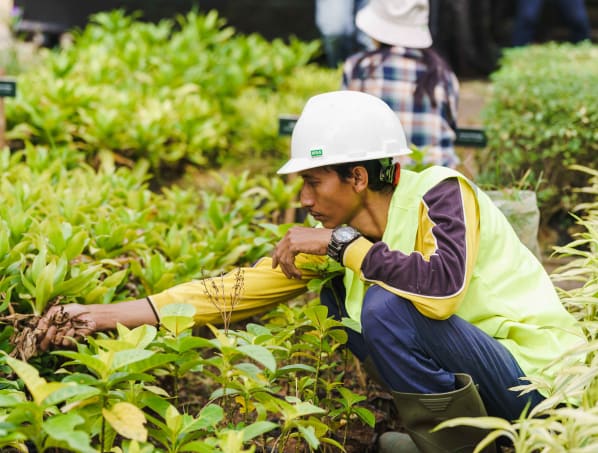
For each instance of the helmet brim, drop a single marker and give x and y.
(296, 164)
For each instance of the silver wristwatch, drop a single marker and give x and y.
(341, 237)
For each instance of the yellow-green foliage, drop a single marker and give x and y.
(543, 116)
(165, 92)
(70, 232)
(567, 419)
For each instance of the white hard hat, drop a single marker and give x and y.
(344, 126)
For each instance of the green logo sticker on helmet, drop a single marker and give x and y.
(317, 152)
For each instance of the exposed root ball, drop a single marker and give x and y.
(27, 332)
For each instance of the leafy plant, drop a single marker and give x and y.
(181, 93)
(566, 419)
(539, 119)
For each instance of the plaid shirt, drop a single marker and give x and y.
(391, 74)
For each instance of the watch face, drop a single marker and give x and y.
(344, 234)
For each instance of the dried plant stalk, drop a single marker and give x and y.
(216, 291)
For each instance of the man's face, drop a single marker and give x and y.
(328, 199)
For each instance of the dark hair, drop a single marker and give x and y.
(435, 74)
(378, 179)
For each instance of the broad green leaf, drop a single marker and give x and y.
(62, 427)
(257, 429)
(76, 285)
(127, 420)
(211, 415)
(309, 434)
(9, 400)
(351, 324)
(187, 343)
(366, 416)
(199, 447)
(173, 419)
(71, 391)
(93, 363)
(259, 354)
(350, 397)
(339, 335)
(177, 318)
(128, 357)
(115, 279)
(37, 386)
(151, 362)
(294, 368)
(61, 269)
(138, 337)
(230, 440)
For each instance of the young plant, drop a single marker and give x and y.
(177, 323)
(349, 409)
(118, 370)
(321, 341)
(40, 420)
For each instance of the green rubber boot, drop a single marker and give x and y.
(422, 412)
(391, 441)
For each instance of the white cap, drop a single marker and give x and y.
(396, 22)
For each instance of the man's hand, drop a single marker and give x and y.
(313, 241)
(63, 323)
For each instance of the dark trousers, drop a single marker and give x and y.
(416, 354)
(573, 13)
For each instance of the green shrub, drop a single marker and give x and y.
(543, 116)
(71, 233)
(166, 92)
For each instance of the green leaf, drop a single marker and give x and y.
(338, 335)
(76, 285)
(37, 386)
(139, 337)
(151, 363)
(39, 262)
(76, 244)
(94, 364)
(259, 354)
(69, 392)
(177, 318)
(115, 279)
(62, 427)
(257, 429)
(187, 343)
(199, 447)
(9, 400)
(122, 359)
(44, 286)
(366, 416)
(309, 434)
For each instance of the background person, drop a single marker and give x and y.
(406, 73)
(335, 20)
(446, 297)
(528, 15)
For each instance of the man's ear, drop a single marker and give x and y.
(360, 178)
